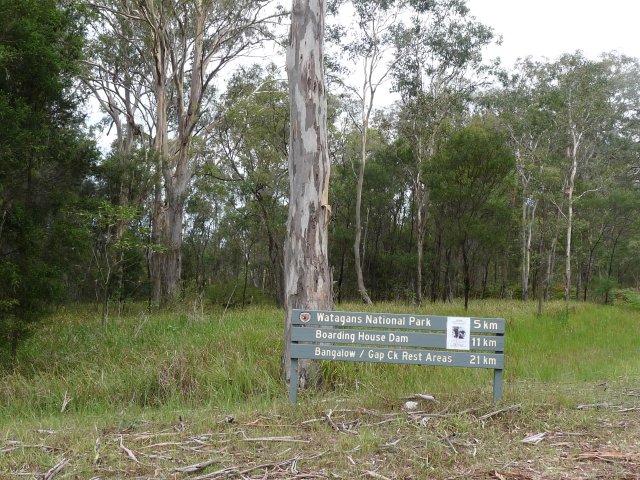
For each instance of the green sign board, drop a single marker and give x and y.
(397, 338)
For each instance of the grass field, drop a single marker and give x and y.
(183, 395)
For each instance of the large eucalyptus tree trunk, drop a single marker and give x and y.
(307, 274)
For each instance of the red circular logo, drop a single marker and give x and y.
(305, 317)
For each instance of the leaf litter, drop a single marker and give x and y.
(440, 441)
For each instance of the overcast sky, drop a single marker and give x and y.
(548, 28)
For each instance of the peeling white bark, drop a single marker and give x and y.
(307, 278)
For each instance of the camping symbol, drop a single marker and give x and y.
(305, 317)
(458, 333)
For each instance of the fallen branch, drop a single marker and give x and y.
(608, 456)
(534, 439)
(597, 405)
(65, 402)
(313, 420)
(268, 465)
(56, 469)
(224, 471)
(196, 467)
(148, 435)
(331, 422)
(275, 439)
(26, 474)
(128, 451)
(391, 444)
(422, 396)
(155, 456)
(305, 476)
(419, 415)
(631, 409)
(447, 439)
(375, 475)
(237, 471)
(163, 444)
(388, 420)
(517, 406)
(18, 446)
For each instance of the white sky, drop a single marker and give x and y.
(549, 28)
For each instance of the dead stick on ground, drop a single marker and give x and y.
(313, 420)
(65, 402)
(375, 475)
(129, 452)
(268, 465)
(56, 469)
(331, 422)
(163, 444)
(275, 439)
(597, 405)
(448, 440)
(196, 467)
(237, 471)
(502, 410)
(19, 446)
(415, 415)
(217, 473)
(388, 420)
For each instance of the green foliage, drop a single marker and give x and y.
(70, 230)
(44, 157)
(603, 287)
(119, 241)
(238, 210)
(471, 174)
(470, 180)
(235, 294)
(629, 297)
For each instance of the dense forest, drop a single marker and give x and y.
(452, 176)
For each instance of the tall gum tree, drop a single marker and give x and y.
(185, 47)
(470, 181)
(531, 133)
(307, 274)
(588, 106)
(370, 47)
(440, 65)
(114, 73)
(252, 145)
